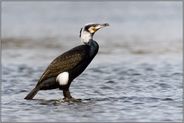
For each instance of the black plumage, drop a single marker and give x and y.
(73, 61)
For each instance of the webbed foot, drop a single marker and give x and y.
(71, 99)
(68, 97)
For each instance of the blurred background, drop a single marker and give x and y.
(158, 25)
(136, 76)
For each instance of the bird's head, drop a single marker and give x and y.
(87, 32)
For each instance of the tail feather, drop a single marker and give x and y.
(32, 93)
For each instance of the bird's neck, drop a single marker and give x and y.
(93, 48)
(86, 37)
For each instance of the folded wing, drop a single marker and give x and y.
(66, 62)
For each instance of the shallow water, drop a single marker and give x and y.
(136, 76)
(113, 88)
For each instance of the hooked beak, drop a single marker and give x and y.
(105, 24)
(96, 27)
(101, 26)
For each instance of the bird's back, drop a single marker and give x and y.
(66, 62)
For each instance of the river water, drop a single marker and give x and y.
(136, 76)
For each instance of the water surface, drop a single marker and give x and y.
(136, 76)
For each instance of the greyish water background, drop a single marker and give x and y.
(136, 76)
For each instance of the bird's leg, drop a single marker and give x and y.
(66, 94)
(68, 97)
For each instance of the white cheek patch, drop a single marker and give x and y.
(63, 78)
(85, 37)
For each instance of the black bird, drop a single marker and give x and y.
(66, 67)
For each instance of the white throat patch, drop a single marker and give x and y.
(63, 78)
(85, 36)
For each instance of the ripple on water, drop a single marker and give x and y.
(127, 91)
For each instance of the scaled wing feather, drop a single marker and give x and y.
(65, 62)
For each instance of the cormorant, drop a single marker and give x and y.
(66, 67)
